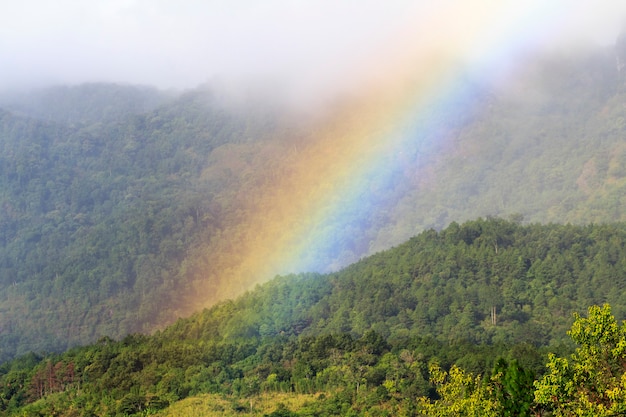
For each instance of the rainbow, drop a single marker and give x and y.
(333, 182)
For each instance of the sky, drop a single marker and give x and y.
(303, 45)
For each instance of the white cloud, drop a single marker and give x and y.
(310, 44)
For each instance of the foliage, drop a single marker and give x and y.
(460, 394)
(513, 387)
(449, 284)
(592, 382)
(261, 345)
(91, 243)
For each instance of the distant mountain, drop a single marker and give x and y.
(85, 103)
(123, 208)
(546, 144)
(96, 218)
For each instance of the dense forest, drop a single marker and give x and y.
(92, 242)
(121, 206)
(472, 318)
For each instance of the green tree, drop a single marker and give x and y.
(592, 381)
(513, 388)
(461, 394)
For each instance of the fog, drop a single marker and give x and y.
(306, 46)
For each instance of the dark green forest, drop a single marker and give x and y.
(117, 203)
(393, 333)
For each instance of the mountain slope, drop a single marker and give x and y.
(378, 323)
(122, 209)
(91, 242)
(545, 143)
(444, 285)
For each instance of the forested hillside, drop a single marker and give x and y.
(96, 218)
(124, 208)
(487, 297)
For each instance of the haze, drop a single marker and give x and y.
(306, 45)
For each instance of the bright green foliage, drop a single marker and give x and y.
(461, 394)
(354, 376)
(592, 382)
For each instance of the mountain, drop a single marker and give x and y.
(87, 103)
(364, 336)
(123, 208)
(91, 242)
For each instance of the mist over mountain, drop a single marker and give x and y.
(88, 103)
(124, 208)
(287, 208)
